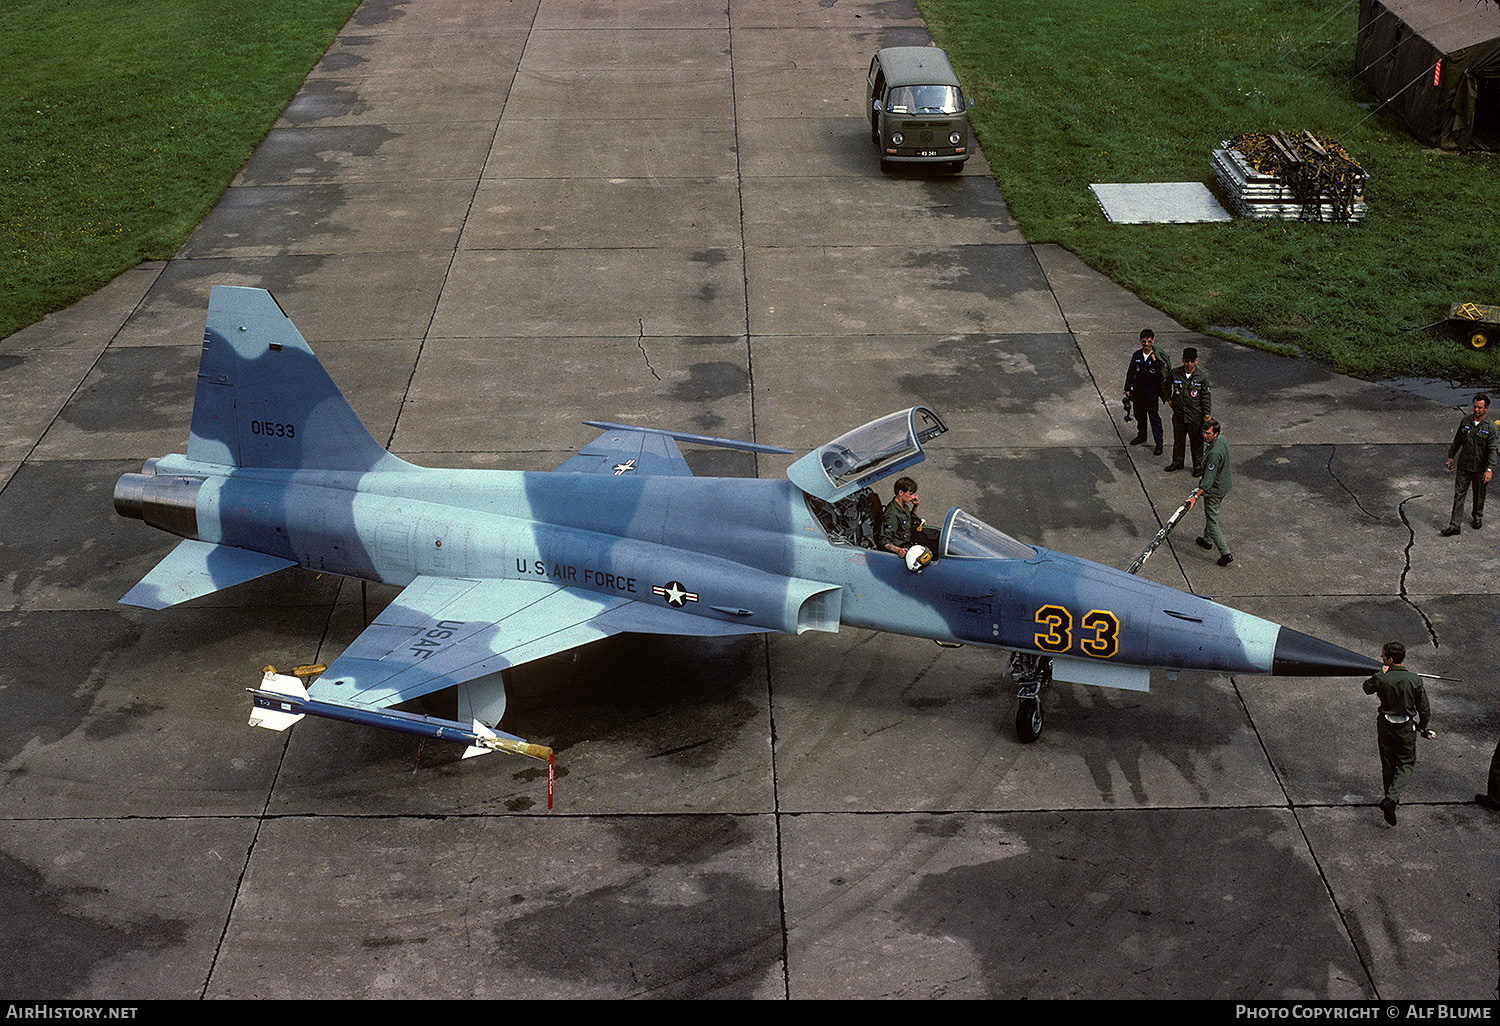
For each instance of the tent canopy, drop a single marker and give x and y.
(1437, 63)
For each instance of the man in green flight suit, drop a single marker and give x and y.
(1490, 799)
(1192, 403)
(1403, 715)
(1476, 446)
(900, 527)
(1216, 482)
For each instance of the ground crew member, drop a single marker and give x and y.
(1192, 404)
(1491, 797)
(1216, 482)
(1403, 715)
(1477, 446)
(1144, 381)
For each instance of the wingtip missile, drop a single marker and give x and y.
(487, 740)
(282, 700)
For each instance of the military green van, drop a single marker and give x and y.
(918, 114)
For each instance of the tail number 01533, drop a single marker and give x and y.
(1098, 631)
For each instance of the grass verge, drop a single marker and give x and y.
(121, 124)
(1070, 93)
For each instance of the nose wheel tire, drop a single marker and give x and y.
(1029, 720)
(1031, 672)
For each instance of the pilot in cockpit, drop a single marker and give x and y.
(901, 529)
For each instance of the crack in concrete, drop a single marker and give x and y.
(1333, 452)
(1411, 541)
(640, 343)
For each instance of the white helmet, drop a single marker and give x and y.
(917, 557)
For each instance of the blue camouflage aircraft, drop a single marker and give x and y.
(502, 567)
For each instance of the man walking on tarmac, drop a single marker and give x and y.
(1403, 715)
(1477, 446)
(1216, 482)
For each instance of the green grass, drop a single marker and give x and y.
(1070, 93)
(121, 124)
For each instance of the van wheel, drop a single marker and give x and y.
(886, 166)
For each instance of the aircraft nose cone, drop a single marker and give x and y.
(1302, 655)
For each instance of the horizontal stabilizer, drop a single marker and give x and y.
(197, 568)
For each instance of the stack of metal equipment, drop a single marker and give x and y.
(1296, 177)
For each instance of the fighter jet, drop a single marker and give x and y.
(498, 568)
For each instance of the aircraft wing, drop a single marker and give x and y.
(624, 449)
(440, 632)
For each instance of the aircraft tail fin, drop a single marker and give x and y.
(264, 399)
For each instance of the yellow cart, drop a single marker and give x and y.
(1475, 325)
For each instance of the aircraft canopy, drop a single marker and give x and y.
(867, 454)
(968, 537)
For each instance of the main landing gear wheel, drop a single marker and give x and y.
(1478, 339)
(1030, 672)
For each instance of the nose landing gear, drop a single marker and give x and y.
(1029, 672)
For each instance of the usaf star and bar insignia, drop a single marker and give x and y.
(675, 593)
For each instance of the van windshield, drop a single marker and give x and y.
(925, 99)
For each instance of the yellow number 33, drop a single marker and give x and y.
(1100, 634)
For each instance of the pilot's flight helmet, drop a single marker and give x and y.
(917, 557)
